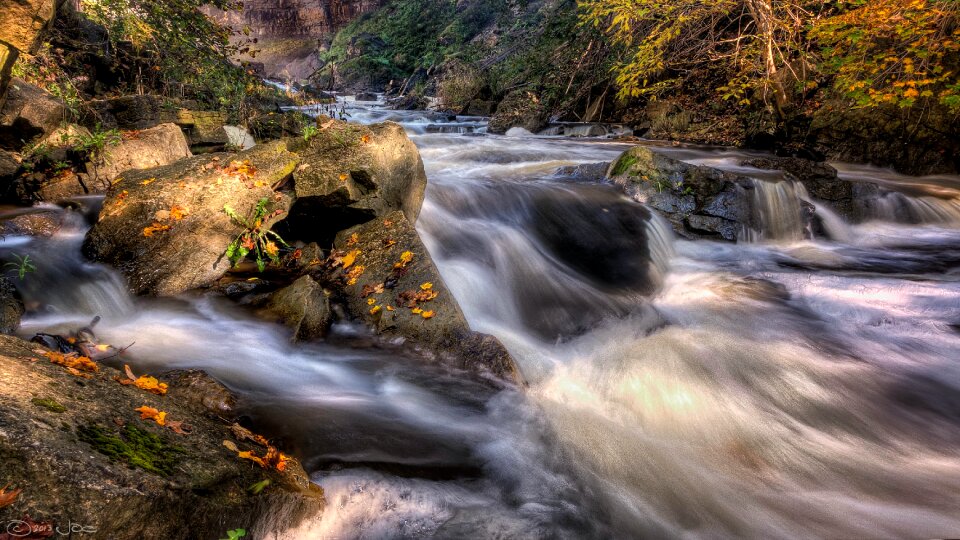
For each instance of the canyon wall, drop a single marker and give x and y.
(290, 33)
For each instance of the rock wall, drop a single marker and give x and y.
(289, 33)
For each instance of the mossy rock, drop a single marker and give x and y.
(133, 446)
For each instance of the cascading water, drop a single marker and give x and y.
(676, 389)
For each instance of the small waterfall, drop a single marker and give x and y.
(901, 208)
(778, 211)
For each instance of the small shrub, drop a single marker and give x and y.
(254, 238)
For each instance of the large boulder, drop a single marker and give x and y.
(28, 114)
(353, 173)
(80, 453)
(154, 147)
(520, 108)
(21, 22)
(166, 228)
(393, 285)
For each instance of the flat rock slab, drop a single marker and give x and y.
(47, 416)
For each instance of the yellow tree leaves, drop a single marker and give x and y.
(405, 258)
(154, 228)
(348, 259)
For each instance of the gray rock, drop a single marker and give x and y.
(28, 114)
(302, 306)
(11, 307)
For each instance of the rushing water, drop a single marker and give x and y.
(777, 388)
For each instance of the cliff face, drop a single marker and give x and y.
(290, 32)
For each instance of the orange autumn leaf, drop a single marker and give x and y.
(354, 274)
(371, 301)
(151, 384)
(252, 457)
(350, 258)
(427, 314)
(426, 286)
(365, 139)
(155, 227)
(354, 238)
(177, 213)
(149, 413)
(148, 181)
(405, 259)
(375, 309)
(72, 361)
(416, 310)
(9, 497)
(343, 177)
(272, 249)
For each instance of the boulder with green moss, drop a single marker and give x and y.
(80, 452)
(166, 228)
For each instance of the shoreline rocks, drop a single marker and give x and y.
(81, 453)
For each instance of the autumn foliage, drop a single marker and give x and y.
(776, 52)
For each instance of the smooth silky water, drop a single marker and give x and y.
(768, 389)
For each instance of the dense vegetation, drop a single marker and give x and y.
(777, 51)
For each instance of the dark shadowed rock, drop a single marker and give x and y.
(302, 306)
(521, 108)
(396, 310)
(138, 231)
(80, 452)
(29, 113)
(352, 173)
(130, 112)
(33, 223)
(11, 307)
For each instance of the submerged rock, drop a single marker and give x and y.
(166, 228)
(393, 285)
(351, 174)
(81, 453)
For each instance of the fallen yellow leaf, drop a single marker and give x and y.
(150, 413)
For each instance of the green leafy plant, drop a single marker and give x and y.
(99, 139)
(254, 238)
(310, 131)
(235, 534)
(21, 267)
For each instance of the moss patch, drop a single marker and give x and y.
(49, 404)
(133, 446)
(623, 164)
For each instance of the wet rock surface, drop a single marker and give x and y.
(304, 307)
(82, 454)
(394, 286)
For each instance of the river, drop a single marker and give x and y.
(765, 389)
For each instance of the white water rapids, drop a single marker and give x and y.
(798, 388)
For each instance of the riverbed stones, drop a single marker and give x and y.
(166, 228)
(81, 454)
(393, 285)
(11, 306)
(352, 173)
